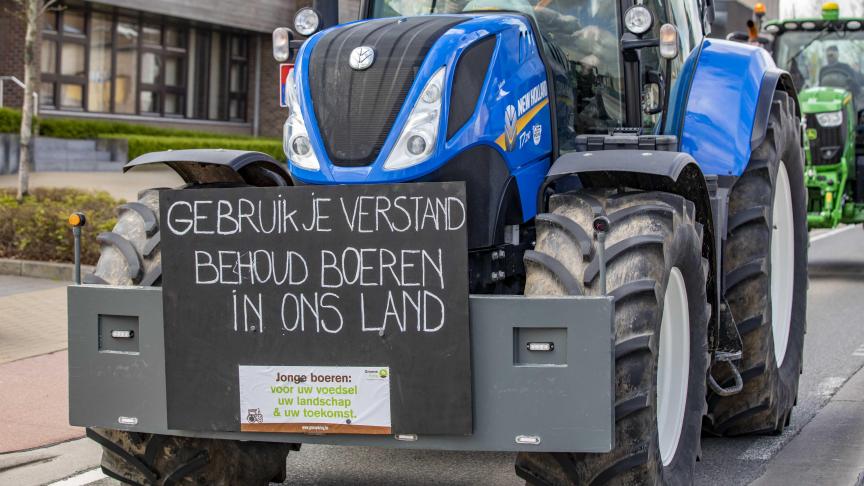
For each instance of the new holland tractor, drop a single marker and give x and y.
(570, 229)
(825, 57)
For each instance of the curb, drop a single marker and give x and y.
(35, 269)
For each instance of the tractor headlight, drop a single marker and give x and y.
(307, 21)
(420, 134)
(638, 19)
(830, 120)
(295, 137)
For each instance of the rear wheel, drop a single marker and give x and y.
(131, 256)
(657, 275)
(765, 267)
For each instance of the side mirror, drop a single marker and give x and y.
(653, 93)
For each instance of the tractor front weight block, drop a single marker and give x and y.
(542, 374)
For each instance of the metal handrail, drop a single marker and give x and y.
(22, 86)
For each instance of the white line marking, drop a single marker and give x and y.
(859, 351)
(832, 233)
(87, 477)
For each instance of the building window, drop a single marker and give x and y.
(115, 62)
(163, 70)
(64, 52)
(237, 76)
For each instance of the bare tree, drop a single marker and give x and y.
(32, 11)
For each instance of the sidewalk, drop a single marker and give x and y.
(118, 184)
(35, 403)
(32, 322)
(33, 364)
(829, 449)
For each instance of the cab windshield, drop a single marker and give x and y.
(581, 38)
(827, 58)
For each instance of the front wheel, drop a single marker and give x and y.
(656, 274)
(131, 255)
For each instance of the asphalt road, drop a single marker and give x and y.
(834, 350)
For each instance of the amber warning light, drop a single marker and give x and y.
(284, 71)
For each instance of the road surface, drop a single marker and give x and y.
(834, 351)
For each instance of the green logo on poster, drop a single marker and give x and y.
(382, 373)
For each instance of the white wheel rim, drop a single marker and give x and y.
(782, 264)
(673, 366)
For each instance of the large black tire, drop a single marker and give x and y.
(651, 233)
(765, 403)
(130, 252)
(131, 256)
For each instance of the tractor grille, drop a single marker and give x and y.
(355, 110)
(827, 149)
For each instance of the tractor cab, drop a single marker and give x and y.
(825, 57)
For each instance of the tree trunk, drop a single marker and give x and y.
(31, 73)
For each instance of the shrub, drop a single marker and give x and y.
(142, 144)
(10, 122)
(37, 229)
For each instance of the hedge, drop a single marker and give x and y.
(10, 122)
(142, 144)
(37, 228)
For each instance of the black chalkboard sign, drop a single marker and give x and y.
(343, 286)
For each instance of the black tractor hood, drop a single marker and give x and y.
(356, 109)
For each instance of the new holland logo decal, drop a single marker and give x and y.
(510, 126)
(516, 118)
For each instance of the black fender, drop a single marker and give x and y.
(674, 172)
(207, 166)
(774, 80)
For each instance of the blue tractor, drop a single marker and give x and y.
(611, 154)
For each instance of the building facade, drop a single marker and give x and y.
(203, 65)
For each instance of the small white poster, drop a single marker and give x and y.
(315, 399)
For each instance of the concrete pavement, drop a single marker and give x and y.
(119, 185)
(34, 386)
(32, 323)
(830, 449)
(33, 371)
(35, 403)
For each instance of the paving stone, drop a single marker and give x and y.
(11, 284)
(32, 323)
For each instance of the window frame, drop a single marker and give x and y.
(57, 78)
(182, 53)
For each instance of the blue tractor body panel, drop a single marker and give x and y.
(516, 82)
(716, 103)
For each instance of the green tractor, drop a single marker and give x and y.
(826, 60)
